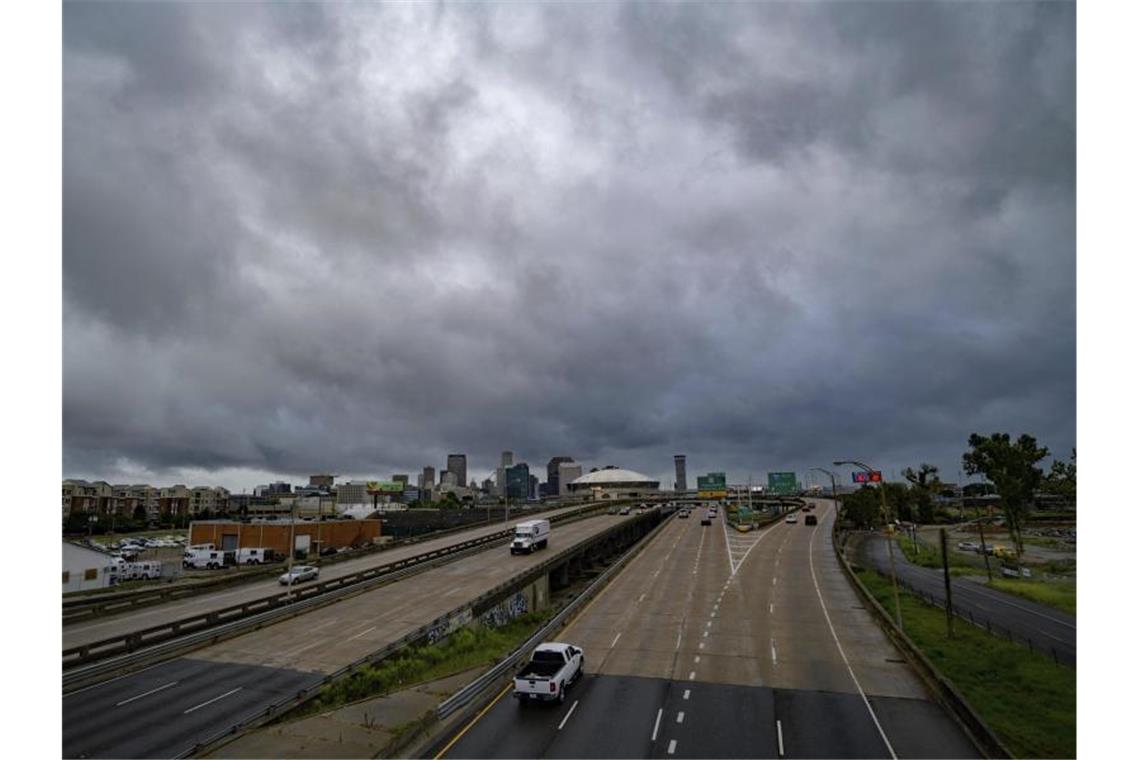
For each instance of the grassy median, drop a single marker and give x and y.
(466, 648)
(1027, 700)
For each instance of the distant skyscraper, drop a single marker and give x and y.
(457, 463)
(447, 478)
(567, 472)
(552, 472)
(533, 487)
(507, 459)
(427, 479)
(400, 478)
(682, 482)
(517, 480)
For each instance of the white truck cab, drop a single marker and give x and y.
(530, 535)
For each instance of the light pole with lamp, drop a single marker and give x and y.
(292, 549)
(834, 492)
(890, 534)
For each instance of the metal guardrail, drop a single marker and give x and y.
(462, 697)
(93, 605)
(263, 715)
(944, 691)
(135, 648)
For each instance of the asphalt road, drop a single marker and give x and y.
(107, 627)
(717, 644)
(247, 673)
(1049, 629)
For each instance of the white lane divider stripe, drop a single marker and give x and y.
(780, 737)
(672, 746)
(145, 694)
(656, 724)
(613, 643)
(773, 653)
(568, 713)
(212, 701)
(692, 674)
(686, 694)
(357, 636)
(681, 717)
(835, 637)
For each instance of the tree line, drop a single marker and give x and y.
(1010, 465)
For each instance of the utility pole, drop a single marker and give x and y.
(946, 578)
(985, 554)
(292, 550)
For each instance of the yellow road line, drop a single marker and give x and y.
(474, 720)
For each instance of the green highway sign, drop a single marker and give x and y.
(782, 482)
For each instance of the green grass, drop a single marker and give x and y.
(464, 649)
(1061, 595)
(930, 556)
(1027, 700)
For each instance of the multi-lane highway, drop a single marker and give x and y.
(166, 709)
(1050, 630)
(130, 621)
(713, 643)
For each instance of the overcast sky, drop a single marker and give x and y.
(354, 238)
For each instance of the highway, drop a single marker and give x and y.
(166, 709)
(712, 643)
(130, 621)
(1050, 630)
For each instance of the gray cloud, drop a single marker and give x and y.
(303, 237)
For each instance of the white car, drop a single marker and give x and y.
(299, 574)
(790, 519)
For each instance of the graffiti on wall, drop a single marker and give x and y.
(445, 628)
(505, 611)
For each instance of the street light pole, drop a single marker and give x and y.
(890, 535)
(834, 492)
(292, 549)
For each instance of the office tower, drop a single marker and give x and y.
(517, 479)
(682, 483)
(568, 472)
(427, 479)
(507, 459)
(552, 472)
(457, 463)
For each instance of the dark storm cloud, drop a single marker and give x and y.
(355, 238)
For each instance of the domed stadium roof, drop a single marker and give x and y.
(612, 475)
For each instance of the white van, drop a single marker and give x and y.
(530, 535)
(254, 556)
(205, 559)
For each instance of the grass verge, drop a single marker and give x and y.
(1026, 699)
(1061, 595)
(926, 555)
(466, 648)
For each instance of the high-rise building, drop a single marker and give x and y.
(427, 479)
(447, 478)
(517, 480)
(507, 459)
(682, 482)
(552, 472)
(532, 488)
(567, 473)
(457, 463)
(400, 478)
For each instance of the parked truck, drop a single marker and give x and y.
(552, 669)
(254, 555)
(530, 535)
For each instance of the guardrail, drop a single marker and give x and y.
(473, 689)
(944, 691)
(91, 661)
(483, 601)
(80, 609)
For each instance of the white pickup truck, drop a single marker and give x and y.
(552, 669)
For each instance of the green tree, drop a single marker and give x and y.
(862, 508)
(924, 484)
(1012, 468)
(139, 514)
(1062, 479)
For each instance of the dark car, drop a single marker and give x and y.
(809, 520)
(706, 520)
